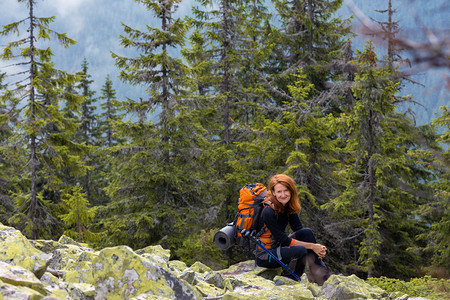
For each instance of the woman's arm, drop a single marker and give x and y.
(294, 222)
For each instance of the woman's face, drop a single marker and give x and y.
(282, 193)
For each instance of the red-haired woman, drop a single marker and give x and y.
(282, 208)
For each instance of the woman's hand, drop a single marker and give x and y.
(320, 250)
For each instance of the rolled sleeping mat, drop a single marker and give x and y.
(225, 237)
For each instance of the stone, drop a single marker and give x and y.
(239, 268)
(156, 253)
(15, 249)
(177, 266)
(200, 268)
(208, 290)
(19, 276)
(350, 287)
(57, 288)
(214, 278)
(189, 276)
(77, 272)
(9, 291)
(119, 273)
(65, 240)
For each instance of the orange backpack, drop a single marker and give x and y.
(250, 206)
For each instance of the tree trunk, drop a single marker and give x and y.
(33, 145)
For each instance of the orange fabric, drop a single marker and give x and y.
(292, 243)
(266, 239)
(246, 205)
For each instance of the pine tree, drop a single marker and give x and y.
(40, 126)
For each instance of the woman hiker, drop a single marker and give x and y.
(297, 250)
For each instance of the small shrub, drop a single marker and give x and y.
(425, 286)
(200, 247)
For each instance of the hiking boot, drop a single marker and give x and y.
(318, 272)
(296, 266)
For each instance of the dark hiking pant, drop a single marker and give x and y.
(291, 256)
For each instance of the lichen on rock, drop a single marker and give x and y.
(76, 271)
(17, 250)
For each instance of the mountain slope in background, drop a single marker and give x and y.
(416, 19)
(96, 26)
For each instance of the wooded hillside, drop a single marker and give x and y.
(228, 97)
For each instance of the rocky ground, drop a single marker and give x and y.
(44, 269)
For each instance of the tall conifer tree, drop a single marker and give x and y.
(303, 71)
(434, 212)
(225, 47)
(7, 115)
(110, 113)
(389, 31)
(310, 37)
(382, 175)
(158, 191)
(41, 128)
(88, 132)
(225, 40)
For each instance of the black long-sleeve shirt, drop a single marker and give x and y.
(277, 225)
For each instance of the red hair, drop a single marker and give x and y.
(293, 206)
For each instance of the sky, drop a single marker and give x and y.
(96, 26)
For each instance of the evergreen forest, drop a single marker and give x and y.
(228, 97)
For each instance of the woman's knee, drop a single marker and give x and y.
(305, 235)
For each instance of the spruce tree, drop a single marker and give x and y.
(435, 211)
(389, 31)
(110, 114)
(41, 130)
(7, 170)
(108, 138)
(222, 46)
(380, 173)
(305, 72)
(159, 191)
(77, 215)
(87, 131)
(309, 37)
(88, 124)
(225, 50)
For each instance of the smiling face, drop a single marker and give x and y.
(282, 193)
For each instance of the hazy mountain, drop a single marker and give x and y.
(96, 26)
(415, 17)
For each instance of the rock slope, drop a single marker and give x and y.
(43, 269)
